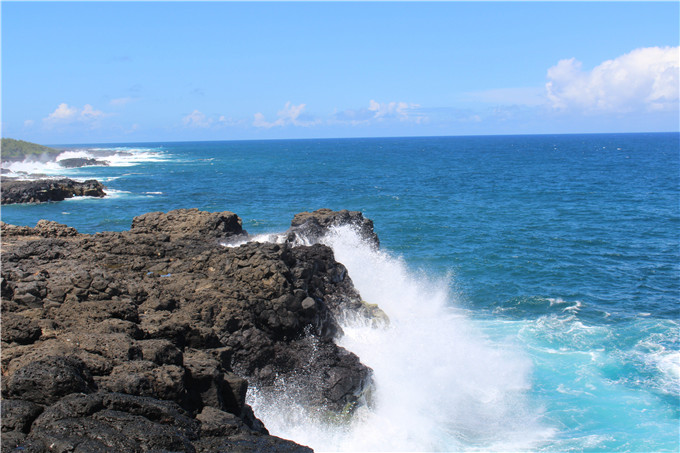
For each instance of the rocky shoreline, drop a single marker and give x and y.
(44, 190)
(148, 339)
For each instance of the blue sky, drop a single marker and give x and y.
(88, 72)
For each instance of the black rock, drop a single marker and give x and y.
(42, 190)
(148, 339)
(314, 225)
(77, 162)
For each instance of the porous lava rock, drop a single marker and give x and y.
(147, 339)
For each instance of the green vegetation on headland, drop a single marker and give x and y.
(17, 150)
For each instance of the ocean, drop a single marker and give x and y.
(532, 282)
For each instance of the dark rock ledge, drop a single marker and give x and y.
(77, 162)
(42, 190)
(147, 340)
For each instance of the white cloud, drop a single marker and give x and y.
(289, 115)
(388, 109)
(64, 114)
(89, 113)
(28, 123)
(197, 119)
(645, 79)
(382, 111)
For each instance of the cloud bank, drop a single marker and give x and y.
(643, 80)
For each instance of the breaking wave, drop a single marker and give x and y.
(440, 385)
(111, 157)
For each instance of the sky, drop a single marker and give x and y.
(116, 72)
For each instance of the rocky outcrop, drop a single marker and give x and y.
(313, 225)
(148, 339)
(77, 162)
(43, 190)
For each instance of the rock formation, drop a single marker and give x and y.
(76, 162)
(148, 339)
(313, 225)
(37, 191)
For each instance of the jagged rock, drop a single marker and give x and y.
(18, 415)
(46, 381)
(163, 314)
(19, 329)
(42, 190)
(189, 222)
(313, 225)
(112, 422)
(44, 228)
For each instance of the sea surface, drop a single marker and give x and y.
(532, 282)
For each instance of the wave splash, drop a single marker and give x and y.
(439, 384)
(114, 157)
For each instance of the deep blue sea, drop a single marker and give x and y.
(532, 282)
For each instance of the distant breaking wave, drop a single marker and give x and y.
(114, 157)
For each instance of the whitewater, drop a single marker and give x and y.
(439, 383)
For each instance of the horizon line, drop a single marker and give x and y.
(360, 138)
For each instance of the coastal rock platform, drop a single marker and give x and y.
(148, 339)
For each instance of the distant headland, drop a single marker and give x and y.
(22, 187)
(18, 150)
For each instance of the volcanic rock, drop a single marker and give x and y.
(314, 225)
(148, 339)
(43, 190)
(77, 162)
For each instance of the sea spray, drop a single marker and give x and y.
(438, 384)
(114, 157)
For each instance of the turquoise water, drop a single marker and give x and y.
(561, 250)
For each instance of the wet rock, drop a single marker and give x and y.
(314, 225)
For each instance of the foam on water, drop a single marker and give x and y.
(115, 157)
(439, 384)
(22, 169)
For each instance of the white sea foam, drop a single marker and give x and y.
(113, 193)
(23, 169)
(655, 351)
(668, 363)
(115, 157)
(572, 307)
(439, 384)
